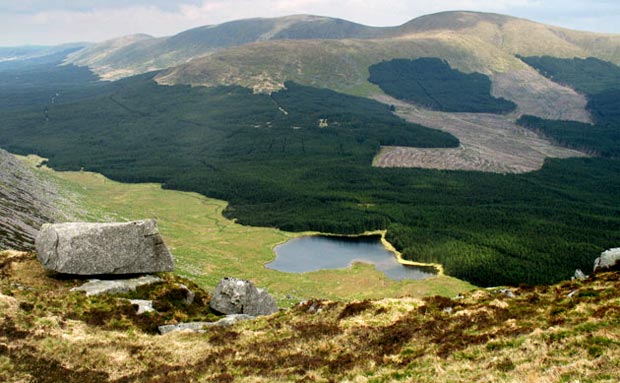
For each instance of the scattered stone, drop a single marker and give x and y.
(200, 326)
(229, 320)
(572, 293)
(448, 310)
(607, 260)
(236, 296)
(507, 292)
(116, 286)
(188, 294)
(579, 275)
(142, 305)
(103, 248)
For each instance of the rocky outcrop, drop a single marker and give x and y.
(608, 259)
(27, 201)
(103, 248)
(236, 296)
(116, 286)
(228, 320)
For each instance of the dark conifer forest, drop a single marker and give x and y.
(300, 159)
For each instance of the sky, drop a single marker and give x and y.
(51, 22)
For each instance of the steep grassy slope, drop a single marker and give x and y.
(519, 36)
(563, 333)
(28, 199)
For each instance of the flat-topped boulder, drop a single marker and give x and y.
(103, 248)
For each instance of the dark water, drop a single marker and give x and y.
(314, 253)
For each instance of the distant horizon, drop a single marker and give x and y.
(57, 22)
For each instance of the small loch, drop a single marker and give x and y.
(319, 252)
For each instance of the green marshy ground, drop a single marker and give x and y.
(208, 247)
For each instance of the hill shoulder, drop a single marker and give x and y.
(571, 329)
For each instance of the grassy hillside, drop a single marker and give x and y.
(562, 333)
(136, 54)
(469, 32)
(336, 64)
(468, 41)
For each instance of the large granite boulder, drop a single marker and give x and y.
(103, 248)
(236, 296)
(608, 259)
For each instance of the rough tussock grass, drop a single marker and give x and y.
(541, 335)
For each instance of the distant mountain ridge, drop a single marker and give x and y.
(140, 53)
(497, 37)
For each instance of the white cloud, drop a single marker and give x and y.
(56, 21)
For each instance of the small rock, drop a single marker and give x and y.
(229, 320)
(142, 305)
(193, 326)
(580, 275)
(608, 259)
(507, 292)
(572, 293)
(103, 248)
(236, 296)
(200, 326)
(189, 294)
(116, 286)
(448, 310)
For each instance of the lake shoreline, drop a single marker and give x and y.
(310, 256)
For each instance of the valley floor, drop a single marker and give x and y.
(208, 247)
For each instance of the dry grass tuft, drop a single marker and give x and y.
(48, 334)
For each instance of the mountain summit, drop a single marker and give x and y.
(448, 35)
